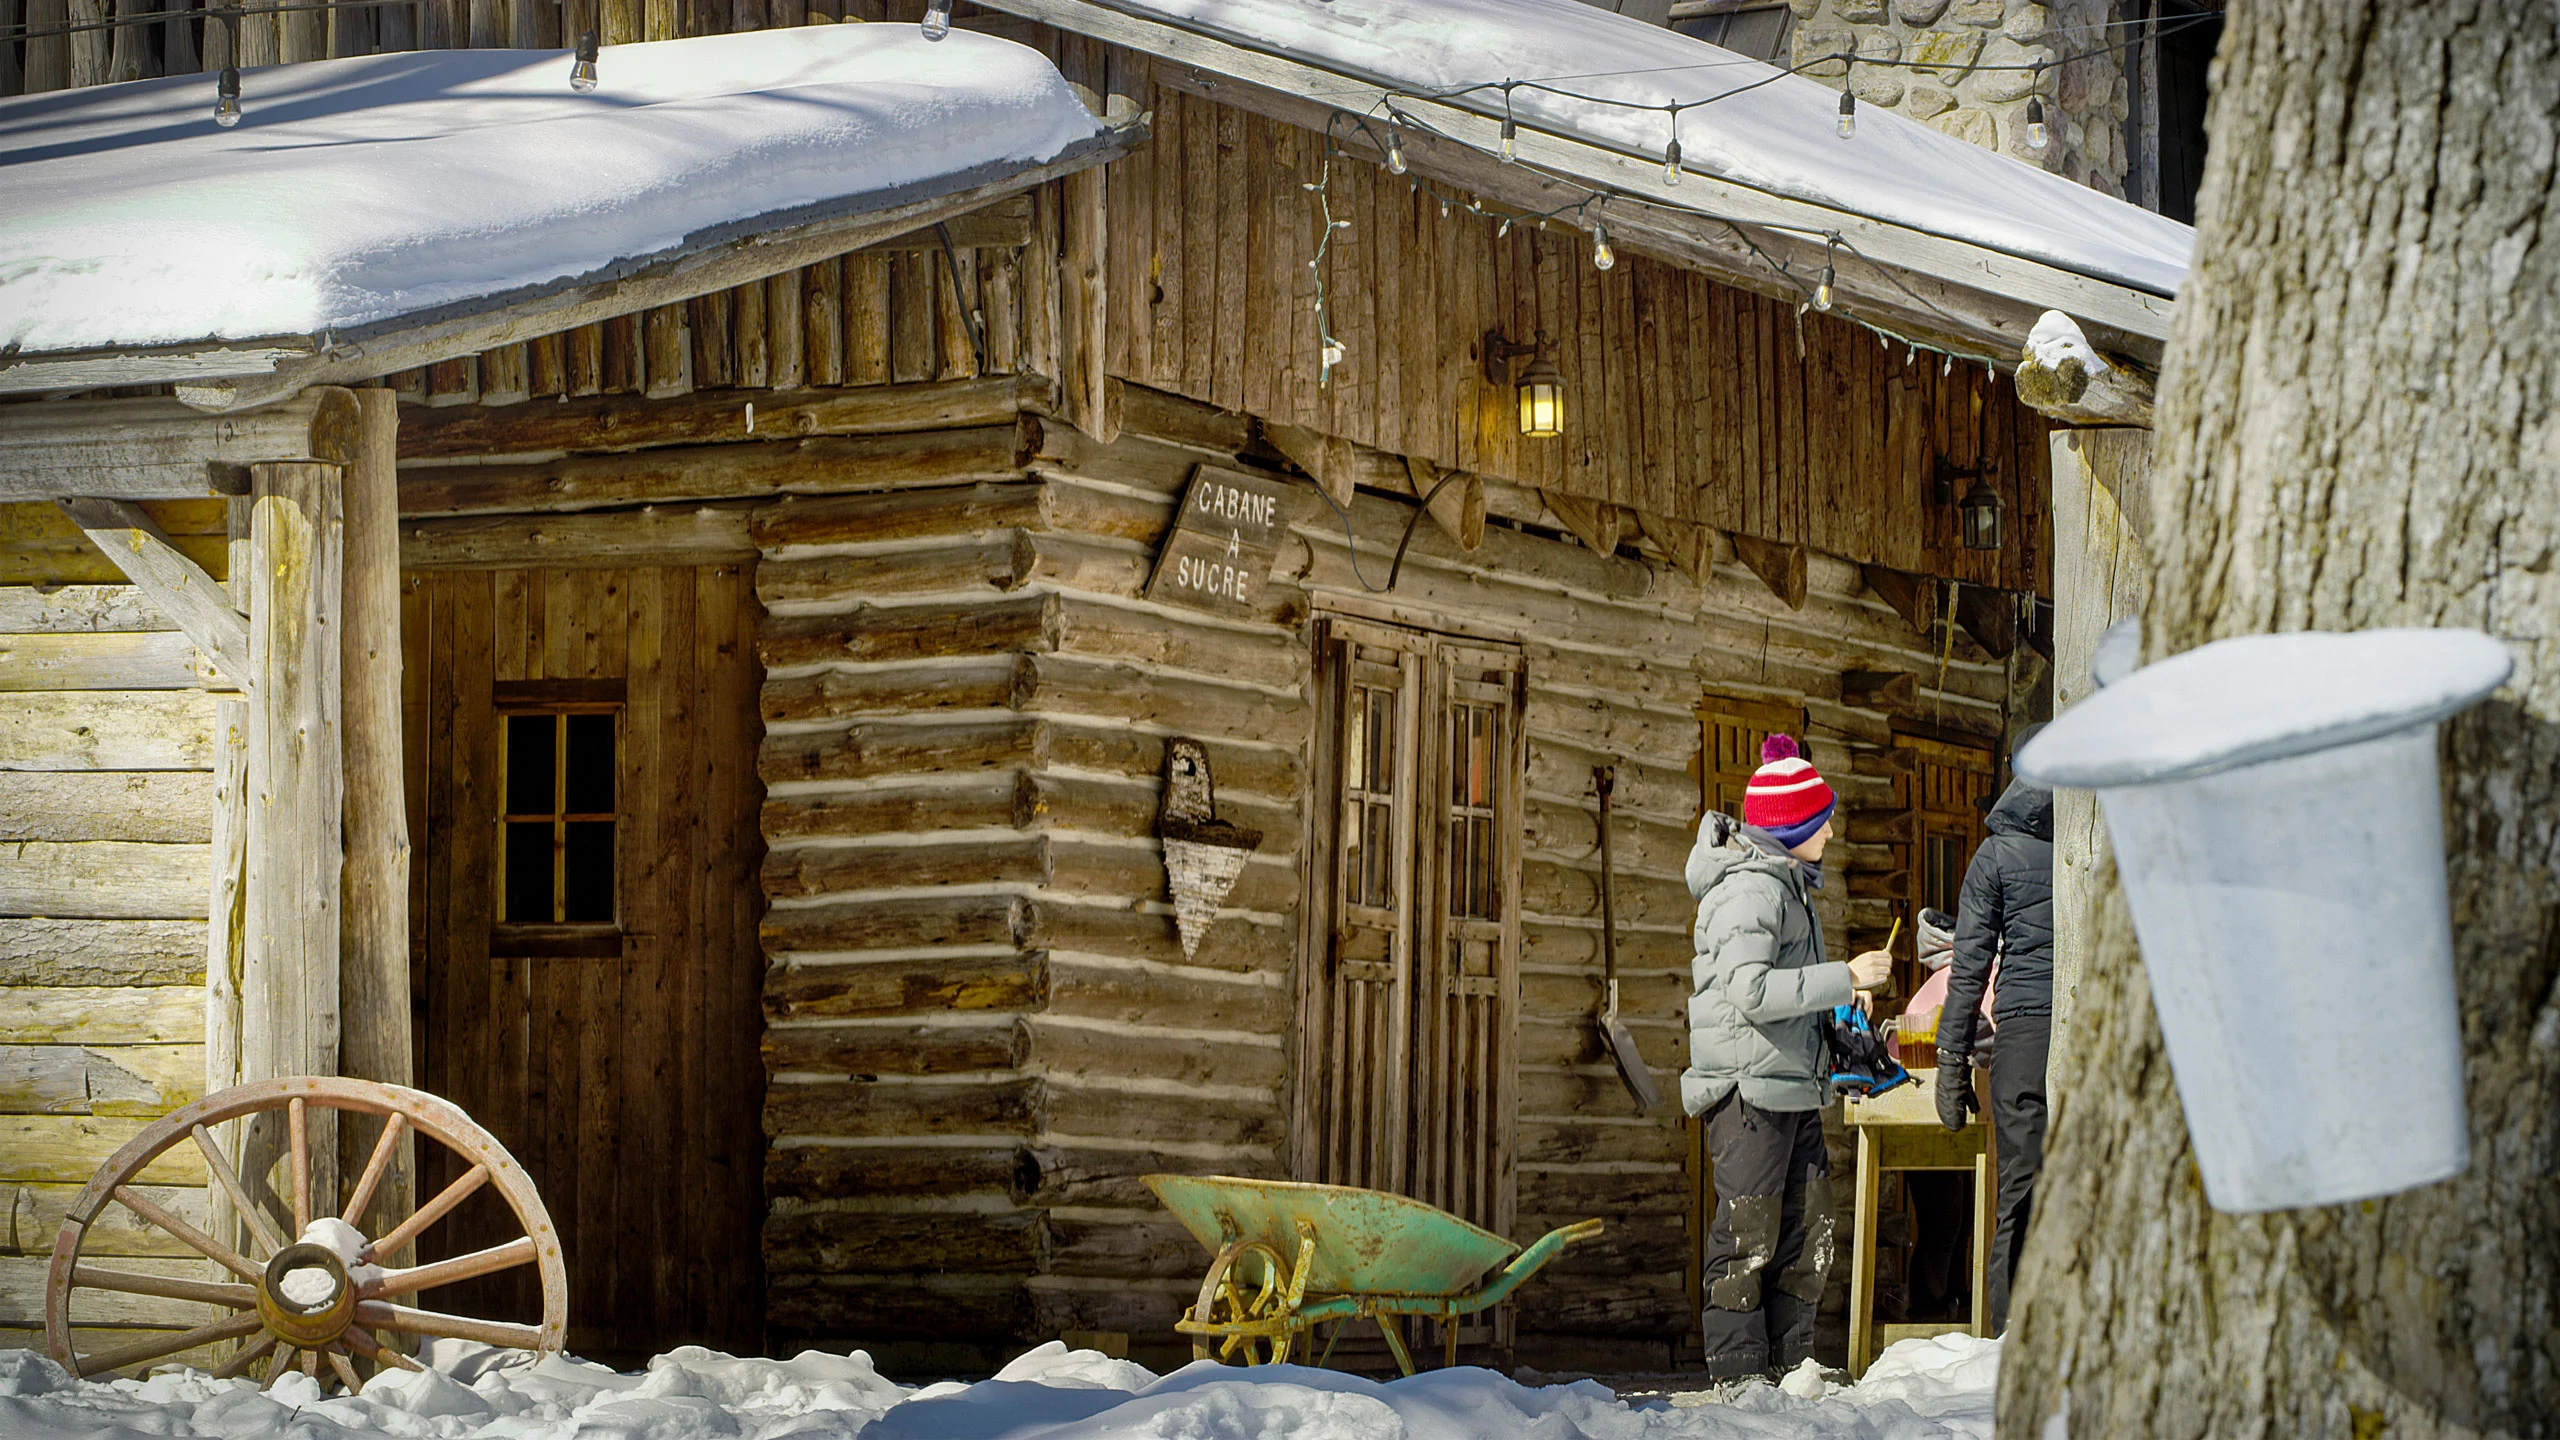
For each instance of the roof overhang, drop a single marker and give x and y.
(1935, 288)
(833, 204)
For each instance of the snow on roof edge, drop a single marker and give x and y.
(2009, 188)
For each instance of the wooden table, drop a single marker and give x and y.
(1900, 1131)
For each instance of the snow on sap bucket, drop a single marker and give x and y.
(2276, 819)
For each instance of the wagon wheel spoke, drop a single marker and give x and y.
(167, 1287)
(202, 1243)
(249, 1355)
(298, 1126)
(435, 1324)
(394, 1126)
(363, 1343)
(428, 1214)
(519, 1251)
(277, 1363)
(229, 1179)
(160, 1346)
(345, 1368)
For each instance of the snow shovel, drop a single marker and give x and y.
(1621, 1041)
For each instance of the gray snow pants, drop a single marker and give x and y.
(1772, 1241)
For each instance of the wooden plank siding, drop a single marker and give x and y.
(1815, 433)
(106, 798)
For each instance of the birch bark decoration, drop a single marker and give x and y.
(1203, 854)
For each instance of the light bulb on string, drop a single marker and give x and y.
(1822, 292)
(582, 71)
(226, 97)
(2037, 135)
(937, 19)
(1602, 257)
(1671, 162)
(1395, 151)
(1848, 115)
(1330, 355)
(1510, 128)
(1503, 230)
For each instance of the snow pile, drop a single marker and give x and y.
(1780, 138)
(356, 191)
(1918, 1390)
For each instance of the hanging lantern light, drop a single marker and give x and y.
(1980, 508)
(1542, 400)
(1540, 388)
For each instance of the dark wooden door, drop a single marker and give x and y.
(587, 976)
(1947, 790)
(1408, 1028)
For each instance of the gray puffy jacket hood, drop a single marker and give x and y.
(1759, 981)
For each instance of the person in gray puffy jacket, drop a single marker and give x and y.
(1759, 1066)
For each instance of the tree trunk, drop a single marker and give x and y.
(2354, 431)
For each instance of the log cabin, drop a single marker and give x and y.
(723, 742)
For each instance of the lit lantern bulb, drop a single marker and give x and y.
(937, 19)
(2037, 135)
(1822, 292)
(1848, 115)
(1602, 257)
(226, 98)
(582, 71)
(1395, 154)
(1510, 140)
(1671, 162)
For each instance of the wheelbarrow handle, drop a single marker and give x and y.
(1527, 1263)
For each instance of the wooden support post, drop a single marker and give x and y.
(1083, 255)
(1780, 567)
(176, 584)
(289, 1000)
(373, 945)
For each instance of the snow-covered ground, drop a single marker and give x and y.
(1918, 1390)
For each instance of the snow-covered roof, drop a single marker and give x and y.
(357, 196)
(1961, 206)
(1780, 138)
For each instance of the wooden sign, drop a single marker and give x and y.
(1219, 552)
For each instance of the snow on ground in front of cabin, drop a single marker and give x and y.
(1918, 1390)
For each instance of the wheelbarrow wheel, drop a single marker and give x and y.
(1247, 1286)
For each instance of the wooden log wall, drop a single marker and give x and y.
(107, 804)
(979, 1019)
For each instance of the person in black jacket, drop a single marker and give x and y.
(2005, 912)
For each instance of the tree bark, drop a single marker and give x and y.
(2354, 431)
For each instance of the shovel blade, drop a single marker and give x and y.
(1631, 1067)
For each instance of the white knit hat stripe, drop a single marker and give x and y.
(1810, 782)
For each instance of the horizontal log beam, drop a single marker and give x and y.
(607, 423)
(154, 448)
(105, 879)
(602, 539)
(44, 951)
(141, 660)
(1005, 225)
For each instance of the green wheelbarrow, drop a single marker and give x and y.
(1292, 1256)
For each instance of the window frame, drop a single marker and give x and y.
(558, 701)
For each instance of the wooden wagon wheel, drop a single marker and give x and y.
(324, 1312)
(1231, 1294)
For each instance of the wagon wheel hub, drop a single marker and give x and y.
(306, 1296)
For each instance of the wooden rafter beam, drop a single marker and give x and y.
(196, 601)
(1780, 567)
(154, 448)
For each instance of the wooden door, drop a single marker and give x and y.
(1408, 1030)
(585, 965)
(1947, 791)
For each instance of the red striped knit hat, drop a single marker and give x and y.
(1787, 797)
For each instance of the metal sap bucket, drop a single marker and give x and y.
(2278, 826)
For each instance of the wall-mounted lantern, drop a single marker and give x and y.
(2274, 808)
(1980, 508)
(1541, 384)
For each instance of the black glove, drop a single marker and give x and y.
(1955, 1091)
